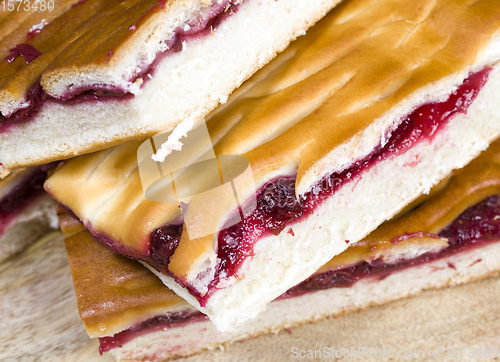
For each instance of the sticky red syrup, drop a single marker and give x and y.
(21, 196)
(27, 51)
(476, 226)
(37, 97)
(278, 207)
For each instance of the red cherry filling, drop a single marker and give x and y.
(157, 323)
(476, 226)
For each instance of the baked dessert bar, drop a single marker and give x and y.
(26, 211)
(92, 74)
(452, 238)
(370, 109)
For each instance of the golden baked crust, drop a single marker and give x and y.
(118, 31)
(322, 104)
(14, 25)
(328, 87)
(114, 302)
(112, 196)
(114, 292)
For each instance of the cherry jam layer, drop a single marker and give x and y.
(22, 195)
(37, 97)
(277, 205)
(158, 323)
(475, 227)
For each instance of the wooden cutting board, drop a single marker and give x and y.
(40, 322)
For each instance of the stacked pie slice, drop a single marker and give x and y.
(80, 76)
(272, 209)
(450, 238)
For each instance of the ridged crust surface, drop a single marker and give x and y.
(122, 33)
(124, 295)
(16, 24)
(58, 30)
(327, 101)
(330, 90)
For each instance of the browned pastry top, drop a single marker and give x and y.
(17, 77)
(322, 104)
(357, 64)
(114, 292)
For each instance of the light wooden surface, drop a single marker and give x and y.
(39, 320)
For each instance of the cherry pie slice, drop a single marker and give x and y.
(95, 73)
(451, 238)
